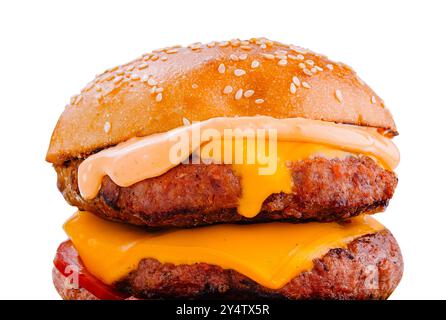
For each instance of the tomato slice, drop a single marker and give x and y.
(67, 259)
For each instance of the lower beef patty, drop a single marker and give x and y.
(192, 195)
(369, 268)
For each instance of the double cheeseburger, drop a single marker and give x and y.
(153, 225)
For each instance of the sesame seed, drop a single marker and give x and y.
(245, 47)
(154, 57)
(78, 99)
(111, 76)
(194, 86)
(159, 97)
(239, 72)
(143, 65)
(329, 66)
(145, 78)
(268, 56)
(221, 68)
(313, 70)
(338, 95)
(296, 81)
(172, 51)
(152, 82)
(244, 43)
(255, 64)
(282, 62)
(135, 77)
(281, 56)
(292, 57)
(307, 72)
(118, 80)
(297, 49)
(262, 46)
(302, 65)
(239, 94)
(163, 58)
(120, 72)
(195, 46)
(318, 68)
(233, 57)
(223, 44)
(146, 57)
(373, 99)
(300, 57)
(107, 127)
(259, 101)
(235, 42)
(306, 85)
(211, 44)
(98, 88)
(243, 56)
(159, 90)
(227, 90)
(293, 88)
(112, 69)
(248, 93)
(186, 122)
(310, 62)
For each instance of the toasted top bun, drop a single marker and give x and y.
(163, 89)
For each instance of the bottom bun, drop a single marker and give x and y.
(369, 268)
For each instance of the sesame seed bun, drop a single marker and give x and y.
(162, 89)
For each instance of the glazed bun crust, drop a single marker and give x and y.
(158, 91)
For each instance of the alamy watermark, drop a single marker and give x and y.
(232, 146)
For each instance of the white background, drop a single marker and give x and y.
(50, 49)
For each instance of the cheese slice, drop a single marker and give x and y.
(271, 254)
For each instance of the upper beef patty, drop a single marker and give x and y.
(369, 268)
(192, 195)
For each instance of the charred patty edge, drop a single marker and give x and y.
(339, 274)
(193, 195)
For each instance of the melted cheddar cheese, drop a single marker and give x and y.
(256, 187)
(270, 254)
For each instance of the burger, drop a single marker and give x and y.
(228, 170)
